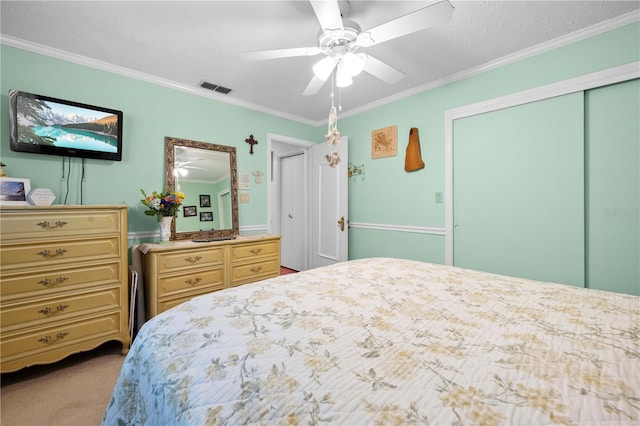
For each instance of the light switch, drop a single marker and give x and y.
(438, 197)
(244, 197)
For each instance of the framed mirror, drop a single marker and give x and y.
(208, 176)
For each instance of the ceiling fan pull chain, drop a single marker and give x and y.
(333, 135)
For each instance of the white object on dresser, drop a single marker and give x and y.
(64, 283)
(41, 197)
(180, 270)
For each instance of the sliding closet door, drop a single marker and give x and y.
(518, 200)
(613, 187)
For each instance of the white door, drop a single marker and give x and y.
(329, 204)
(292, 211)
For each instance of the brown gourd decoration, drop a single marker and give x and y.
(413, 158)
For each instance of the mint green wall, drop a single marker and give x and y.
(193, 190)
(387, 196)
(390, 196)
(151, 112)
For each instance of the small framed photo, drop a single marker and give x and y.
(205, 201)
(189, 211)
(14, 191)
(206, 216)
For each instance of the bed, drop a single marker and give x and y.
(385, 341)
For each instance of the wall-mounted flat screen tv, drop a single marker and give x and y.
(46, 125)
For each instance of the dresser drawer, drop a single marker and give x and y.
(171, 262)
(202, 281)
(255, 271)
(47, 311)
(51, 224)
(242, 252)
(50, 282)
(40, 255)
(44, 339)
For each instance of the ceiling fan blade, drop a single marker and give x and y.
(328, 14)
(419, 20)
(183, 163)
(280, 53)
(314, 86)
(380, 70)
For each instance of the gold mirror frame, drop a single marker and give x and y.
(216, 234)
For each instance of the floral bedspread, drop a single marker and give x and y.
(387, 341)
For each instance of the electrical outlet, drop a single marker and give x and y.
(438, 197)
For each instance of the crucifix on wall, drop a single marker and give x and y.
(251, 141)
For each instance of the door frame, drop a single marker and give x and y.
(273, 190)
(585, 82)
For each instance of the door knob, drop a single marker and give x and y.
(341, 223)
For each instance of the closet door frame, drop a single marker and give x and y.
(585, 82)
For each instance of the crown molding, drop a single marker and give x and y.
(582, 34)
(547, 46)
(149, 78)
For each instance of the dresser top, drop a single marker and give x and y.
(188, 244)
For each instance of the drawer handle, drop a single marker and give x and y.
(47, 282)
(192, 259)
(47, 225)
(48, 340)
(256, 250)
(49, 311)
(256, 269)
(47, 253)
(193, 282)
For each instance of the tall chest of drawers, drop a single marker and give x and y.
(63, 282)
(178, 271)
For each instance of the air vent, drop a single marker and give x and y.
(214, 87)
(224, 90)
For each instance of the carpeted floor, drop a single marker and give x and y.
(74, 391)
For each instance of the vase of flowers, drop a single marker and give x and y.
(164, 206)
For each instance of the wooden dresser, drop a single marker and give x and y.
(175, 272)
(63, 281)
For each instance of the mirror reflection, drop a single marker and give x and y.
(207, 174)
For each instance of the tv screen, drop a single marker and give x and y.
(45, 125)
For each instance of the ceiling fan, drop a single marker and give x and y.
(339, 40)
(182, 167)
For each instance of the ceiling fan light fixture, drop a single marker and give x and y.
(180, 172)
(322, 69)
(343, 77)
(353, 63)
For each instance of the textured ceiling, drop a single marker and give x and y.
(182, 43)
